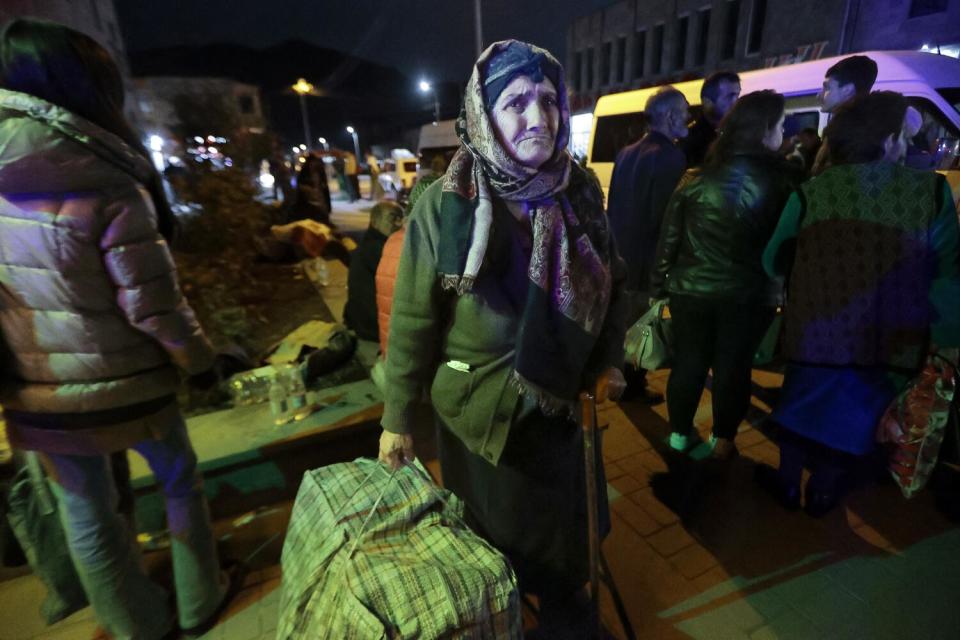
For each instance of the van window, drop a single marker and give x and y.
(410, 165)
(436, 159)
(388, 165)
(614, 133)
(935, 125)
(951, 95)
(797, 121)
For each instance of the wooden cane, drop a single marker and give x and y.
(588, 423)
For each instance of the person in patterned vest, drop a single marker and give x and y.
(871, 251)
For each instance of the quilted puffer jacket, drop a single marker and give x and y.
(386, 278)
(91, 315)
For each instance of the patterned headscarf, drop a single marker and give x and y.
(569, 267)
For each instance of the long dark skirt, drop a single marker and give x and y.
(532, 505)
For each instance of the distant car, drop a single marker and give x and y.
(397, 175)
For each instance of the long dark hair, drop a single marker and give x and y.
(743, 129)
(73, 71)
(858, 129)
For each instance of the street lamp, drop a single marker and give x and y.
(323, 141)
(426, 87)
(356, 141)
(303, 89)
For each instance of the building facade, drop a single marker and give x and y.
(156, 97)
(638, 43)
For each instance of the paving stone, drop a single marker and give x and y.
(831, 608)
(711, 579)
(750, 437)
(790, 625)
(670, 540)
(693, 561)
(633, 465)
(653, 462)
(650, 504)
(613, 470)
(636, 517)
(873, 537)
(625, 484)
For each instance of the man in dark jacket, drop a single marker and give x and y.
(717, 95)
(644, 177)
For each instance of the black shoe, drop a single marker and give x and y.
(770, 480)
(819, 503)
(236, 573)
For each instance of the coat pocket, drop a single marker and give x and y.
(451, 391)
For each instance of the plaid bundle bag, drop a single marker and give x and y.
(372, 553)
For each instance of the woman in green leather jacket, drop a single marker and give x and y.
(709, 264)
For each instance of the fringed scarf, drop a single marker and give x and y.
(570, 263)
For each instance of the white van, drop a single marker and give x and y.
(929, 81)
(438, 142)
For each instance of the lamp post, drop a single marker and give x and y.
(426, 87)
(323, 141)
(303, 89)
(356, 141)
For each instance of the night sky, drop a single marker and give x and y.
(422, 38)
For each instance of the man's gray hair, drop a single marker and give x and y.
(661, 103)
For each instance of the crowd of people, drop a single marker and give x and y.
(502, 293)
(858, 250)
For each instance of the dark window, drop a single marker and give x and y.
(730, 24)
(757, 17)
(920, 8)
(935, 146)
(639, 53)
(589, 69)
(621, 60)
(605, 63)
(703, 36)
(680, 53)
(657, 53)
(246, 104)
(614, 133)
(951, 95)
(577, 71)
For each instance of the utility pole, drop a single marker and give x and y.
(303, 89)
(478, 24)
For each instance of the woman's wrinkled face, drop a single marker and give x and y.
(525, 117)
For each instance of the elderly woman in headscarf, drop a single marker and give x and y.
(508, 304)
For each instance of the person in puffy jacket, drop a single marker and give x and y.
(95, 329)
(390, 261)
(709, 264)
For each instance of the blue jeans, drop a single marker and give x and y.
(126, 602)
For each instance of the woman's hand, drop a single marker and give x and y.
(610, 385)
(396, 449)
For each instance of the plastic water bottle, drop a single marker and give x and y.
(296, 394)
(323, 273)
(279, 406)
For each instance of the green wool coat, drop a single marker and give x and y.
(464, 347)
